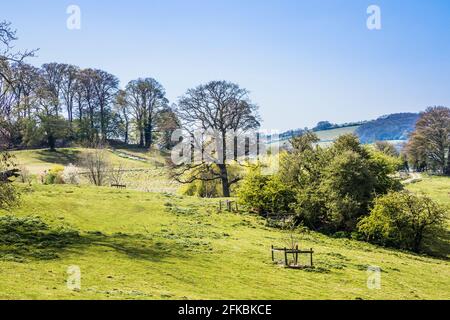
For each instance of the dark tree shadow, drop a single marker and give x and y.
(62, 157)
(438, 245)
(23, 239)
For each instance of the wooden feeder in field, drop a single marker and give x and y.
(290, 258)
(228, 205)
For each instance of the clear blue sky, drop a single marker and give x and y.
(303, 61)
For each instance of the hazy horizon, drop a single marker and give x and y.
(302, 61)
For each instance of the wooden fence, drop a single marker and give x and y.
(228, 205)
(295, 254)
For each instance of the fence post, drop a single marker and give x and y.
(311, 257)
(273, 257)
(285, 257)
(296, 255)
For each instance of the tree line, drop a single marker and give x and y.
(61, 103)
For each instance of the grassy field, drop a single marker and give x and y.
(436, 187)
(159, 246)
(145, 170)
(333, 134)
(326, 136)
(131, 244)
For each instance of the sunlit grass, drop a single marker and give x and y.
(159, 246)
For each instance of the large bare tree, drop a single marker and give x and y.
(225, 109)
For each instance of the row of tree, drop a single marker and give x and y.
(64, 102)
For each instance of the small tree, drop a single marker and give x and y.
(97, 163)
(117, 174)
(403, 220)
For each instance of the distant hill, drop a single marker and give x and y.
(390, 127)
(393, 127)
(323, 129)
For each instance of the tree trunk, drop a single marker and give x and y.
(126, 132)
(418, 241)
(224, 179)
(148, 136)
(102, 122)
(51, 142)
(141, 138)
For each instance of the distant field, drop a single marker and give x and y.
(327, 136)
(333, 134)
(145, 170)
(437, 188)
(39, 160)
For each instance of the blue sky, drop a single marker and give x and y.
(303, 60)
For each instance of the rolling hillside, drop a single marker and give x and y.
(135, 245)
(131, 244)
(326, 136)
(394, 128)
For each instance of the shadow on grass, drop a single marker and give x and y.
(62, 157)
(439, 245)
(23, 239)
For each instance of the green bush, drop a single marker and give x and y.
(203, 189)
(403, 220)
(265, 194)
(329, 189)
(347, 186)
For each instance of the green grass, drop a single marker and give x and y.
(436, 187)
(131, 244)
(145, 169)
(37, 161)
(136, 245)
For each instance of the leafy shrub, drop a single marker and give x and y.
(403, 220)
(265, 194)
(203, 189)
(347, 186)
(54, 175)
(329, 189)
